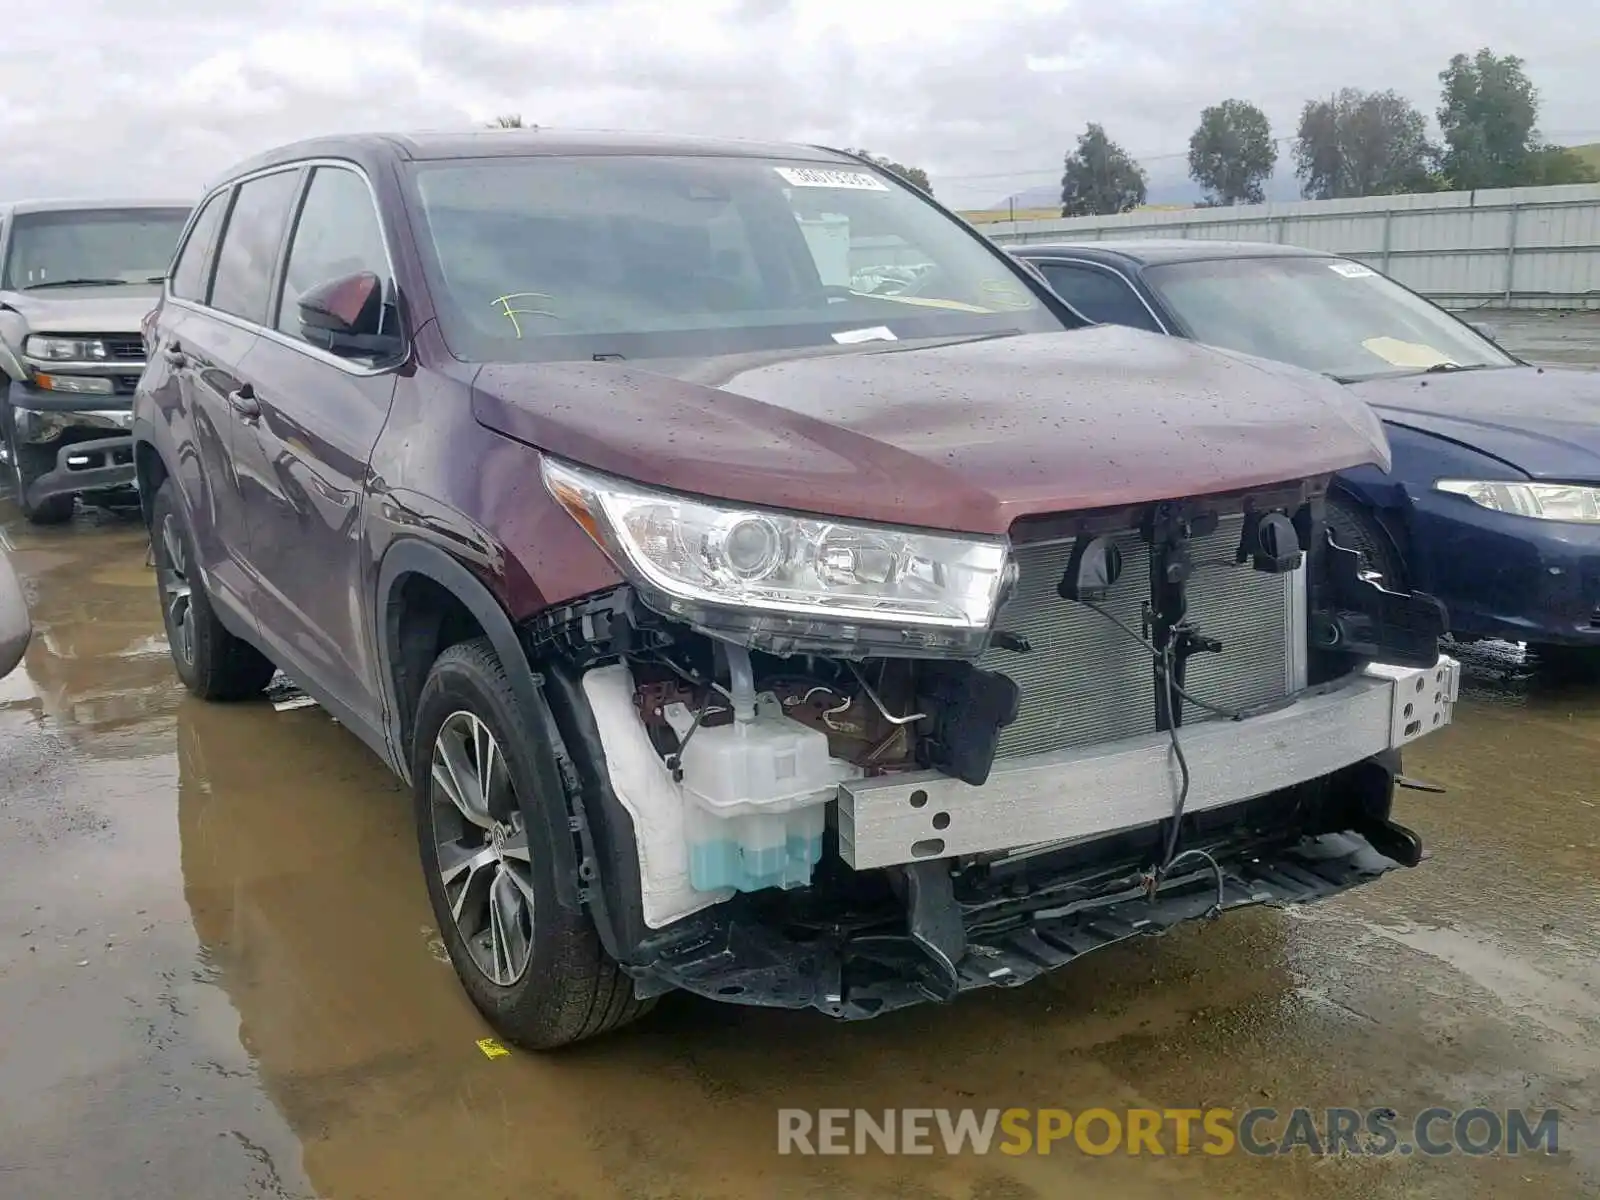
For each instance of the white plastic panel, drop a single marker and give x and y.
(646, 789)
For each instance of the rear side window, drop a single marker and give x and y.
(243, 281)
(189, 274)
(337, 235)
(1099, 295)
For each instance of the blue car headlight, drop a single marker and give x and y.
(1547, 501)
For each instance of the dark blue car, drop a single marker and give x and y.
(1493, 500)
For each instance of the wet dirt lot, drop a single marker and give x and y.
(218, 976)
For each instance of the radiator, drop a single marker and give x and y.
(1084, 681)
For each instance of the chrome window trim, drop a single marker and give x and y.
(391, 284)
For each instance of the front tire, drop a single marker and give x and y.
(212, 663)
(536, 971)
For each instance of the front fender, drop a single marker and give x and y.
(1419, 460)
(152, 445)
(13, 328)
(412, 556)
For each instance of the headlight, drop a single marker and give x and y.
(1551, 501)
(54, 349)
(785, 582)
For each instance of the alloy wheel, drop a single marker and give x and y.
(177, 600)
(482, 843)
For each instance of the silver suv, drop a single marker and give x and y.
(76, 280)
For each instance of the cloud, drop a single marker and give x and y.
(158, 98)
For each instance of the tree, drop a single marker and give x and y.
(1556, 164)
(915, 176)
(1488, 109)
(1232, 153)
(509, 121)
(1359, 143)
(1099, 178)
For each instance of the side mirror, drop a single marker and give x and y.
(345, 317)
(1485, 329)
(16, 627)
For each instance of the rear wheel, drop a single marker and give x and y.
(1357, 529)
(213, 663)
(535, 970)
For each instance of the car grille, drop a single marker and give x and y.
(1084, 681)
(124, 347)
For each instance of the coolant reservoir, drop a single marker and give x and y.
(756, 797)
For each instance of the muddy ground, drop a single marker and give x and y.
(218, 975)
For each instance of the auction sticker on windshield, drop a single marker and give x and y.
(860, 181)
(1351, 270)
(852, 337)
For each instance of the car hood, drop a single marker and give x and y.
(1543, 421)
(84, 309)
(964, 436)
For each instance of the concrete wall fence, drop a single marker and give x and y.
(1507, 248)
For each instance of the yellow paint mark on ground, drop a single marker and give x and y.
(492, 1048)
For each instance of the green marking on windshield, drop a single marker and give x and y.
(511, 314)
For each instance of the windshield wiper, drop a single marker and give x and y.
(49, 283)
(1446, 368)
(1443, 368)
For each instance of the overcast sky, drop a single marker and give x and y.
(154, 97)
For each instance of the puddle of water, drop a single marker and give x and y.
(1568, 1009)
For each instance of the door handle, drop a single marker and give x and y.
(243, 401)
(174, 354)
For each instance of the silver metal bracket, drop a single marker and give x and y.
(935, 919)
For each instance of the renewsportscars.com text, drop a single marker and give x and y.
(1263, 1132)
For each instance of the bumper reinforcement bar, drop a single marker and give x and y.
(1096, 790)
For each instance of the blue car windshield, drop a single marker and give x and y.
(642, 256)
(1331, 315)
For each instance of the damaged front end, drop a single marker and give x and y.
(965, 761)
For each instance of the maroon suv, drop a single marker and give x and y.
(766, 586)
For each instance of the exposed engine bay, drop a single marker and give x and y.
(759, 778)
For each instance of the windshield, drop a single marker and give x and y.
(543, 258)
(1324, 314)
(98, 245)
